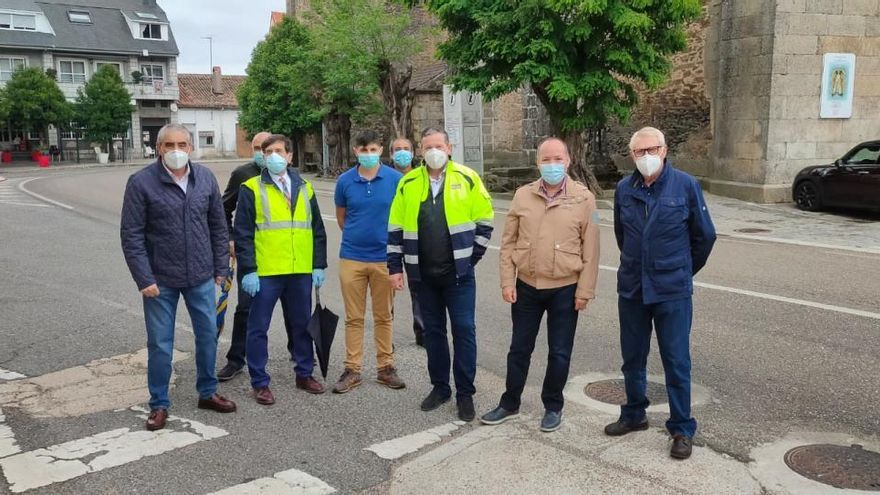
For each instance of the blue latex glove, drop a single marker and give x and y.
(250, 283)
(318, 277)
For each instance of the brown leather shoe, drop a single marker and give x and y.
(264, 396)
(681, 447)
(388, 376)
(349, 380)
(157, 418)
(310, 385)
(217, 403)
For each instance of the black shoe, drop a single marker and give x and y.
(497, 416)
(621, 427)
(434, 400)
(229, 372)
(552, 421)
(681, 447)
(465, 409)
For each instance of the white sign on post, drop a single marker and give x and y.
(838, 82)
(463, 116)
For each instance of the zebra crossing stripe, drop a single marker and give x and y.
(8, 446)
(10, 375)
(69, 460)
(291, 482)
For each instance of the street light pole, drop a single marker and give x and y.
(210, 49)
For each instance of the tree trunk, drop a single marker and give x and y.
(397, 96)
(338, 138)
(298, 152)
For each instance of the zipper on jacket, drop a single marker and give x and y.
(185, 236)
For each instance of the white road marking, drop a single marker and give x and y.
(290, 482)
(32, 205)
(802, 243)
(10, 375)
(40, 196)
(8, 445)
(399, 447)
(69, 460)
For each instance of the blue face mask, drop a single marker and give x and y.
(368, 160)
(402, 158)
(276, 163)
(553, 173)
(259, 159)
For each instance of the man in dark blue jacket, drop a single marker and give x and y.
(665, 235)
(175, 242)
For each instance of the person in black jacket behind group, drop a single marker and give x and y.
(235, 358)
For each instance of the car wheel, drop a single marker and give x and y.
(806, 196)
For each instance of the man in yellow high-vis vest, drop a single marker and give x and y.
(439, 228)
(281, 246)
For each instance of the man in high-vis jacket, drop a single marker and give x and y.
(281, 247)
(439, 229)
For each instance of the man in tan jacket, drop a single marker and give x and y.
(549, 263)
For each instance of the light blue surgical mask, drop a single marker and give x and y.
(402, 158)
(553, 173)
(259, 159)
(276, 163)
(368, 160)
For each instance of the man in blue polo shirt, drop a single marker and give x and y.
(363, 204)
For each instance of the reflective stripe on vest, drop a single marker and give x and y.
(283, 239)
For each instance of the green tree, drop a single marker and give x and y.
(33, 101)
(103, 107)
(582, 58)
(282, 91)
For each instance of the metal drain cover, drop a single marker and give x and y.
(852, 468)
(752, 230)
(613, 392)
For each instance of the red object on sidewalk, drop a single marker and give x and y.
(6, 157)
(44, 161)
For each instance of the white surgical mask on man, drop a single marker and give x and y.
(436, 158)
(175, 159)
(648, 165)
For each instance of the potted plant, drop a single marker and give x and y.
(137, 77)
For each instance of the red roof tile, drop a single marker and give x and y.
(196, 91)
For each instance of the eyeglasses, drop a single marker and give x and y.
(653, 150)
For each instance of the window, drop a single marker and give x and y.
(148, 103)
(151, 31)
(153, 72)
(206, 139)
(71, 71)
(144, 15)
(79, 16)
(73, 132)
(8, 65)
(115, 65)
(18, 21)
(865, 156)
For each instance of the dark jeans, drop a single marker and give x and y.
(295, 292)
(236, 355)
(526, 314)
(672, 320)
(458, 298)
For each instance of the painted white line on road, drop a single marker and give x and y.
(801, 243)
(69, 460)
(8, 445)
(10, 375)
(399, 447)
(32, 205)
(290, 482)
(40, 196)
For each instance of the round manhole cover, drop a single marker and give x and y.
(852, 468)
(613, 392)
(752, 230)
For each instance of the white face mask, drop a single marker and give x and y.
(435, 158)
(648, 165)
(175, 159)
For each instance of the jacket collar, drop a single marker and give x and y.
(295, 179)
(638, 180)
(162, 172)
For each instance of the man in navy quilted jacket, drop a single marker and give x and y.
(175, 242)
(665, 235)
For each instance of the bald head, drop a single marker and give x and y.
(553, 150)
(257, 141)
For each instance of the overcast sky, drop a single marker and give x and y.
(235, 25)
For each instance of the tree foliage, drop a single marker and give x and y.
(582, 58)
(103, 106)
(33, 101)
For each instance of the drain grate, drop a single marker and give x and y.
(752, 230)
(852, 468)
(613, 392)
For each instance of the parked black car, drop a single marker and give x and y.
(850, 182)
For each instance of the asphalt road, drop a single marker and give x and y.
(771, 366)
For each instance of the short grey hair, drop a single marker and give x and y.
(430, 131)
(163, 132)
(647, 132)
(399, 138)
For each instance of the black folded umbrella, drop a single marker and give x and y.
(322, 328)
